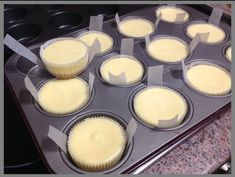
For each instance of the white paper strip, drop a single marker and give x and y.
(180, 17)
(215, 16)
(158, 20)
(20, 49)
(93, 50)
(130, 130)
(147, 40)
(31, 88)
(96, 23)
(117, 80)
(127, 46)
(58, 137)
(155, 75)
(117, 19)
(195, 41)
(91, 82)
(168, 123)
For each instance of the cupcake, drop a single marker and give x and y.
(154, 105)
(59, 96)
(228, 53)
(209, 79)
(96, 143)
(64, 57)
(169, 14)
(136, 27)
(216, 34)
(168, 49)
(118, 64)
(106, 41)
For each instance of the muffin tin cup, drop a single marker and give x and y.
(100, 32)
(207, 62)
(205, 22)
(68, 70)
(85, 104)
(66, 157)
(177, 23)
(115, 55)
(185, 120)
(169, 37)
(136, 17)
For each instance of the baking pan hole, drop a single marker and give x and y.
(186, 119)
(50, 8)
(213, 63)
(25, 32)
(144, 77)
(66, 157)
(65, 20)
(15, 14)
(105, 10)
(40, 109)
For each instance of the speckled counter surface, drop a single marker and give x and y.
(204, 152)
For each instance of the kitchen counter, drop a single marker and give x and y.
(204, 152)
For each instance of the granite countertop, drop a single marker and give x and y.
(204, 152)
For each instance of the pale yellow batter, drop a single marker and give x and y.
(168, 49)
(105, 40)
(159, 103)
(208, 79)
(65, 58)
(169, 14)
(136, 27)
(229, 53)
(59, 96)
(216, 33)
(132, 68)
(96, 143)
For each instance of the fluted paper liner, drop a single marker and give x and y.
(68, 70)
(161, 123)
(155, 75)
(96, 167)
(20, 49)
(185, 68)
(215, 16)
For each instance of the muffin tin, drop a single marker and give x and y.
(148, 143)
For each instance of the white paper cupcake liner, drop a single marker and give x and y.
(68, 70)
(97, 167)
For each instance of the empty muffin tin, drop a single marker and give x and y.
(149, 144)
